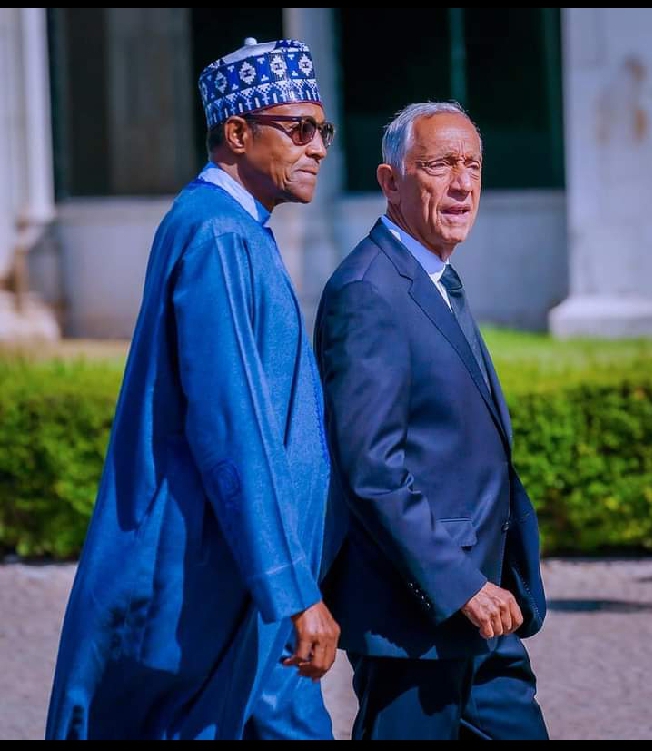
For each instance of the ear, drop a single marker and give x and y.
(236, 134)
(388, 182)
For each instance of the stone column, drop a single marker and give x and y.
(38, 207)
(608, 121)
(9, 86)
(26, 179)
(306, 234)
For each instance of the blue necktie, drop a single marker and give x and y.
(453, 286)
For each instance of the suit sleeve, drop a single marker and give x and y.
(232, 428)
(365, 364)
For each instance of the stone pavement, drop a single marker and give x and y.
(593, 657)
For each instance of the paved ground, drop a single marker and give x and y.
(593, 657)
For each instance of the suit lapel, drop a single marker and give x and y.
(497, 391)
(427, 297)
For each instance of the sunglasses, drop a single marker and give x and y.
(304, 129)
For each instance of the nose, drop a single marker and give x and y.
(316, 148)
(461, 179)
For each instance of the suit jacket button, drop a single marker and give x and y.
(506, 526)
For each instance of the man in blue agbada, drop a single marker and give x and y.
(196, 611)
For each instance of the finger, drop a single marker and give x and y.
(473, 618)
(303, 649)
(506, 619)
(315, 667)
(290, 661)
(517, 616)
(497, 618)
(296, 660)
(486, 628)
(305, 668)
(331, 655)
(324, 657)
(319, 660)
(487, 631)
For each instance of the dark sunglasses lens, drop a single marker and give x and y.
(327, 133)
(306, 131)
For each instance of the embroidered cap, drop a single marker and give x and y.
(258, 76)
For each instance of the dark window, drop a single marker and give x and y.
(514, 94)
(502, 64)
(388, 61)
(215, 33)
(78, 75)
(127, 114)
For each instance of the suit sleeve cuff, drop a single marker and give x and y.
(445, 607)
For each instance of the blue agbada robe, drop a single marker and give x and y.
(207, 531)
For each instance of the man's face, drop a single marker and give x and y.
(277, 167)
(438, 195)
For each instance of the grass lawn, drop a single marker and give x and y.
(521, 356)
(68, 349)
(523, 360)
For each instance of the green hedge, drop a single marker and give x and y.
(582, 418)
(584, 453)
(55, 420)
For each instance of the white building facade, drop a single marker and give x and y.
(101, 125)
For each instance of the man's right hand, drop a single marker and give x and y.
(315, 647)
(494, 611)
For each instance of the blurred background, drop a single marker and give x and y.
(101, 125)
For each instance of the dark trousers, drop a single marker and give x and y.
(491, 697)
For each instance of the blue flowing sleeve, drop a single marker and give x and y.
(232, 427)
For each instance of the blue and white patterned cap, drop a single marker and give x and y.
(258, 76)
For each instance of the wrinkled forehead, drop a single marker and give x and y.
(446, 133)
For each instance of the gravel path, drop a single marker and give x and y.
(592, 658)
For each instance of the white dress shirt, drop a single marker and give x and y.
(431, 262)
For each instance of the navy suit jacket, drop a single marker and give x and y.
(424, 494)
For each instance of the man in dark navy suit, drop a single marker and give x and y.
(438, 574)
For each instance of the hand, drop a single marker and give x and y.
(315, 648)
(494, 611)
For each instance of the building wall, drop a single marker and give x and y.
(514, 262)
(103, 247)
(100, 256)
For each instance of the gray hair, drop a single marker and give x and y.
(398, 133)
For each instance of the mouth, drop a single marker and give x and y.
(457, 213)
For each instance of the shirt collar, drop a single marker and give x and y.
(216, 175)
(432, 263)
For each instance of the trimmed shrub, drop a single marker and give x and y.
(584, 453)
(582, 417)
(581, 412)
(55, 420)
